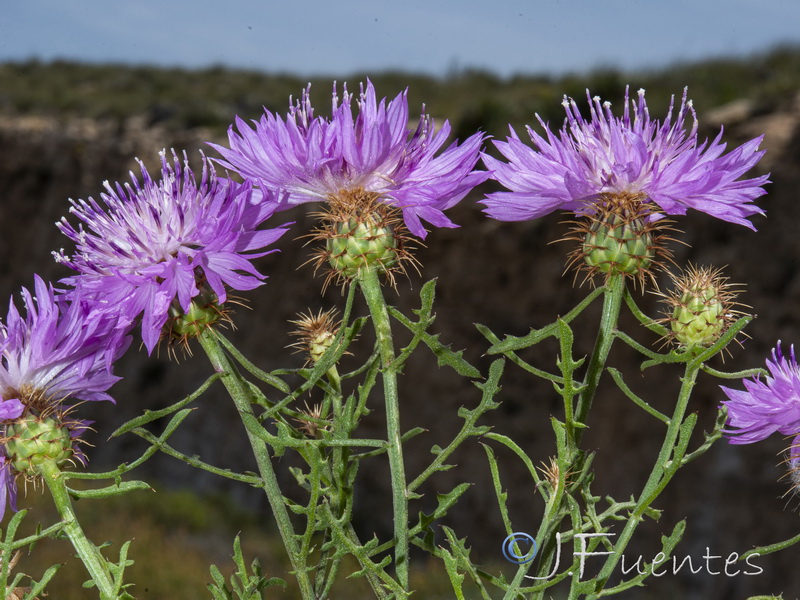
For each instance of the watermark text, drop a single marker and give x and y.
(521, 548)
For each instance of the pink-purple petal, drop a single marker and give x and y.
(311, 159)
(154, 239)
(632, 154)
(61, 351)
(767, 405)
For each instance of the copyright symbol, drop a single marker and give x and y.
(519, 540)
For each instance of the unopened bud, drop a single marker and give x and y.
(702, 306)
(315, 333)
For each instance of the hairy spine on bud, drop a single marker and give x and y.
(311, 421)
(624, 235)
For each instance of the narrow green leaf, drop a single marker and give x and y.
(111, 490)
(153, 415)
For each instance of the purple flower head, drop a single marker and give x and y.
(313, 159)
(768, 405)
(158, 242)
(63, 350)
(635, 155)
(57, 354)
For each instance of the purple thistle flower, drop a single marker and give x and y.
(768, 405)
(160, 242)
(64, 350)
(635, 155)
(58, 353)
(313, 159)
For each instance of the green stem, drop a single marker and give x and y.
(612, 302)
(613, 294)
(373, 294)
(663, 470)
(89, 554)
(763, 550)
(335, 466)
(554, 511)
(239, 393)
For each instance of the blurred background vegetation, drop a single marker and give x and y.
(470, 99)
(191, 522)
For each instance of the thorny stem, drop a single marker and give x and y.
(336, 477)
(89, 554)
(612, 302)
(238, 390)
(371, 288)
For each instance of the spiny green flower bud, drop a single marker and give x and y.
(361, 231)
(698, 319)
(315, 333)
(309, 420)
(318, 346)
(701, 307)
(362, 243)
(204, 312)
(620, 237)
(192, 323)
(33, 439)
(618, 245)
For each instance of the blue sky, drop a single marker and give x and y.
(338, 37)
